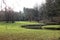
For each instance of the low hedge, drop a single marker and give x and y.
(52, 28)
(33, 26)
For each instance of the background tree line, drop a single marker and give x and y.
(47, 11)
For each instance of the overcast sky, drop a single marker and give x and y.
(18, 5)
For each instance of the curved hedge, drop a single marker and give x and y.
(52, 27)
(33, 26)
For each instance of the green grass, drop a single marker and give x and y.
(14, 31)
(52, 26)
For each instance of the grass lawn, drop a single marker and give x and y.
(14, 31)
